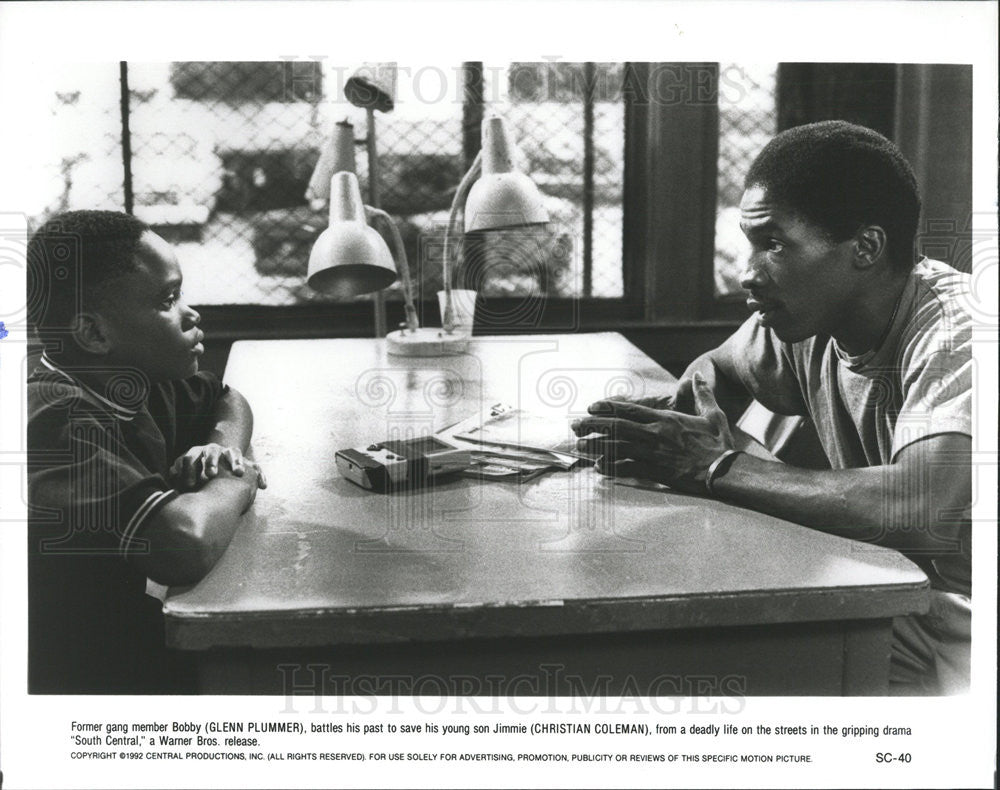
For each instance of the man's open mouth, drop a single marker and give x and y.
(765, 310)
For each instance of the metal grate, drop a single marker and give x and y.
(747, 120)
(570, 119)
(78, 157)
(236, 144)
(221, 153)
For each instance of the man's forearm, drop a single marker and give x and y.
(234, 421)
(877, 504)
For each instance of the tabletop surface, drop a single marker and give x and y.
(319, 560)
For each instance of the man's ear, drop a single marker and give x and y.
(90, 333)
(870, 245)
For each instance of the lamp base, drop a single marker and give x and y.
(425, 342)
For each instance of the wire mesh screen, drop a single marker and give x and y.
(747, 120)
(569, 119)
(78, 157)
(221, 154)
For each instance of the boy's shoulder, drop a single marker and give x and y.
(51, 387)
(47, 388)
(54, 395)
(64, 410)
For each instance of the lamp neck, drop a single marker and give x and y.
(498, 154)
(402, 265)
(461, 194)
(345, 199)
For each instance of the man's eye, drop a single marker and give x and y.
(773, 245)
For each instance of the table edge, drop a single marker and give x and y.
(382, 625)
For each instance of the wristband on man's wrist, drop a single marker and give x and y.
(719, 467)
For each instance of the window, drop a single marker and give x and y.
(220, 154)
(641, 165)
(748, 118)
(704, 123)
(77, 155)
(570, 119)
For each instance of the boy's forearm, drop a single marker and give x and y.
(189, 534)
(234, 421)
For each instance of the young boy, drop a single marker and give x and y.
(135, 459)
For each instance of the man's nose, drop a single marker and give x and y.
(751, 275)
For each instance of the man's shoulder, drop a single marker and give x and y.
(941, 275)
(943, 292)
(941, 317)
(752, 336)
(936, 339)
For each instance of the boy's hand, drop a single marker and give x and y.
(202, 463)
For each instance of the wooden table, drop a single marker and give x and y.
(566, 584)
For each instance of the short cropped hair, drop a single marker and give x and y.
(840, 176)
(70, 257)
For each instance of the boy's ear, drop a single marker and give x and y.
(90, 333)
(870, 244)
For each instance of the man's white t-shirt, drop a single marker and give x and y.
(867, 408)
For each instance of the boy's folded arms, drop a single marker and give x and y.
(203, 463)
(188, 535)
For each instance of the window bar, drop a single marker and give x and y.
(589, 72)
(468, 271)
(472, 111)
(126, 137)
(375, 200)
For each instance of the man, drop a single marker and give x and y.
(873, 347)
(135, 459)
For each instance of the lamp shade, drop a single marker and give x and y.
(372, 86)
(337, 155)
(503, 197)
(349, 258)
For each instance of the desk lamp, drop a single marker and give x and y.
(350, 258)
(502, 199)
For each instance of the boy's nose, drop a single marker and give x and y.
(191, 316)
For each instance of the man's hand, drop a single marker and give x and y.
(658, 444)
(681, 399)
(652, 401)
(202, 463)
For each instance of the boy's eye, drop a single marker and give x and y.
(171, 300)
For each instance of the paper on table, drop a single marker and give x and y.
(521, 431)
(497, 468)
